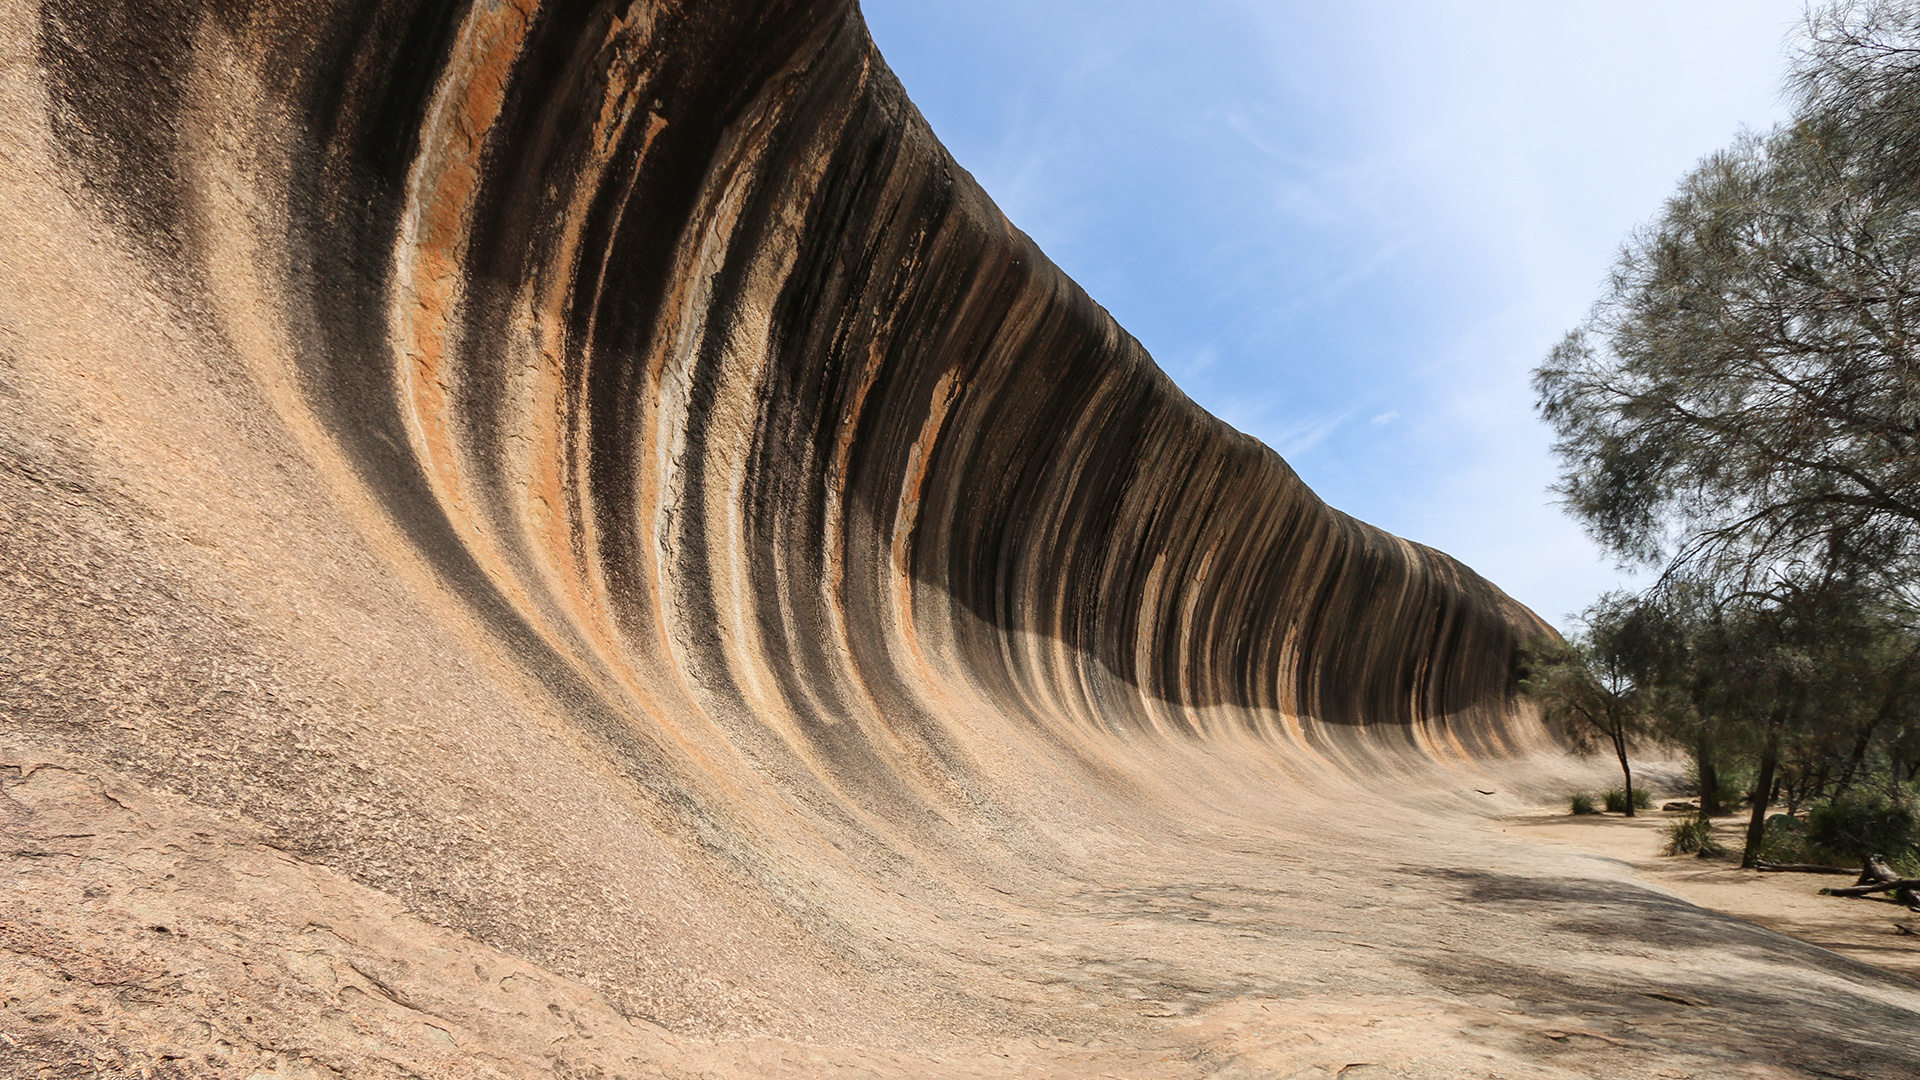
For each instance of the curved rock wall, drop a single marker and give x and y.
(678, 342)
(826, 512)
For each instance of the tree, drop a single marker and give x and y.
(1803, 675)
(1585, 686)
(1745, 397)
(1762, 649)
(1860, 72)
(1741, 411)
(1666, 635)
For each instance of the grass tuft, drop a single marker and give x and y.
(1616, 800)
(1692, 835)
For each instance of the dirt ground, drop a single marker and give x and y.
(1864, 929)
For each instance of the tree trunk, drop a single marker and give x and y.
(1800, 789)
(1620, 748)
(1896, 687)
(1876, 870)
(1762, 794)
(1857, 757)
(1709, 778)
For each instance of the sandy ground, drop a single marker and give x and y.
(1867, 930)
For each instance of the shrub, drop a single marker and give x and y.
(1857, 825)
(1616, 800)
(1581, 803)
(1728, 790)
(1784, 840)
(1692, 835)
(1731, 793)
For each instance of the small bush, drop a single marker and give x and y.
(1857, 825)
(1784, 840)
(1616, 800)
(1692, 835)
(1581, 803)
(1731, 795)
(1728, 791)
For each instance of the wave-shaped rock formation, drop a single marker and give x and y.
(593, 494)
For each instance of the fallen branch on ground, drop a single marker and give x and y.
(1876, 871)
(1802, 868)
(1878, 886)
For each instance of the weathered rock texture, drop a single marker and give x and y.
(591, 494)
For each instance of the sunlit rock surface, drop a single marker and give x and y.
(574, 539)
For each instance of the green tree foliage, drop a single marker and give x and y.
(1670, 634)
(1586, 688)
(1778, 681)
(1746, 394)
(1856, 826)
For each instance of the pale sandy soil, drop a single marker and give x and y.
(1867, 930)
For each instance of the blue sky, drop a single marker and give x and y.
(1351, 229)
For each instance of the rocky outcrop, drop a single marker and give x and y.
(595, 487)
(684, 353)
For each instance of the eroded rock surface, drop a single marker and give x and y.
(572, 539)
